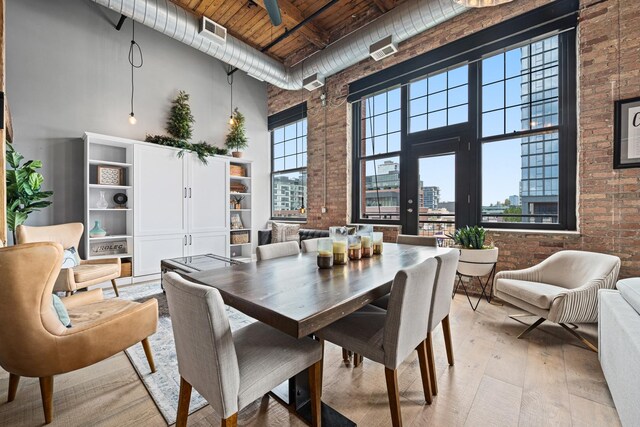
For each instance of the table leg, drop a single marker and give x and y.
(295, 394)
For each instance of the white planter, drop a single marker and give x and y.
(477, 262)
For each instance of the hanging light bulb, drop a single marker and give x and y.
(231, 119)
(230, 81)
(134, 45)
(302, 209)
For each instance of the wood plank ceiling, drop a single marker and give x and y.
(248, 21)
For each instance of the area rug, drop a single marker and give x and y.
(164, 384)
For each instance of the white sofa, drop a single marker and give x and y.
(619, 338)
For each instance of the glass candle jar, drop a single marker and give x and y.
(355, 247)
(340, 250)
(366, 237)
(325, 253)
(377, 243)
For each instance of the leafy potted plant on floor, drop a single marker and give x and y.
(236, 138)
(24, 194)
(476, 258)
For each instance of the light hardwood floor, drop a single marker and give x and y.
(498, 380)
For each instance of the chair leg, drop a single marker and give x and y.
(315, 384)
(14, 380)
(115, 287)
(584, 341)
(232, 421)
(183, 403)
(147, 352)
(424, 372)
(432, 364)
(448, 343)
(391, 376)
(531, 327)
(357, 360)
(46, 391)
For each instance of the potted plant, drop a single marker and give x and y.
(476, 258)
(24, 194)
(236, 138)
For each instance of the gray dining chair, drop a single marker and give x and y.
(439, 310)
(310, 245)
(231, 370)
(388, 337)
(277, 250)
(406, 239)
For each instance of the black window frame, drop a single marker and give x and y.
(278, 120)
(561, 18)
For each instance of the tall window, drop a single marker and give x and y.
(379, 159)
(500, 104)
(520, 95)
(289, 170)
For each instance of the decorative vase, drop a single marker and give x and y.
(477, 262)
(97, 230)
(237, 205)
(102, 202)
(236, 154)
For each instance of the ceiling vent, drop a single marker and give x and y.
(383, 48)
(313, 82)
(214, 30)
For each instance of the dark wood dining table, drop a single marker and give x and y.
(294, 296)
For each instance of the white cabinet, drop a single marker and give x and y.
(160, 190)
(207, 195)
(181, 209)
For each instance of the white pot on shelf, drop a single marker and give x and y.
(477, 262)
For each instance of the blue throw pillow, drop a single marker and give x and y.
(71, 258)
(61, 311)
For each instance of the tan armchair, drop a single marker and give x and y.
(34, 343)
(88, 272)
(562, 289)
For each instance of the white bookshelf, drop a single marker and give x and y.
(242, 251)
(102, 150)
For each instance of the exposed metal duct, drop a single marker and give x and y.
(403, 22)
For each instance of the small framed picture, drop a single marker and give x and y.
(626, 143)
(236, 222)
(110, 175)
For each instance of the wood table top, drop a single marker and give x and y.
(293, 295)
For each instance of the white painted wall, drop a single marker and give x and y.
(67, 73)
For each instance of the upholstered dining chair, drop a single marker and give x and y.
(407, 239)
(309, 245)
(277, 250)
(562, 289)
(82, 276)
(389, 337)
(231, 370)
(35, 343)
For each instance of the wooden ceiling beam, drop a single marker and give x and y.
(291, 16)
(381, 5)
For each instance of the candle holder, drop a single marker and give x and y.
(325, 253)
(377, 243)
(366, 237)
(355, 248)
(340, 243)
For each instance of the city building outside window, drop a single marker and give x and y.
(289, 170)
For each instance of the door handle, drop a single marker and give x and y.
(185, 240)
(189, 192)
(185, 192)
(410, 210)
(190, 239)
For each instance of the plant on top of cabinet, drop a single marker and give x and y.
(23, 189)
(180, 129)
(237, 138)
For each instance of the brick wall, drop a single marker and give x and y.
(608, 199)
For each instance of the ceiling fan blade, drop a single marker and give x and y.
(274, 11)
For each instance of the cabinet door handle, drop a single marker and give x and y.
(189, 192)
(185, 192)
(190, 239)
(185, 240)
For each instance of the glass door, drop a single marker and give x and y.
(437, 195)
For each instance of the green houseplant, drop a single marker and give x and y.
(476, 258)
(24, 194)
(236, 138)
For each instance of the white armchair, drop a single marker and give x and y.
(563, 288)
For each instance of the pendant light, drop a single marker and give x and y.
(481, 3)
(302, 209)
(230, 81)
(134, 65)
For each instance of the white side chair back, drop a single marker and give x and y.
(441, 302)
(277, 250)
(406, 239)
(310, 245)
